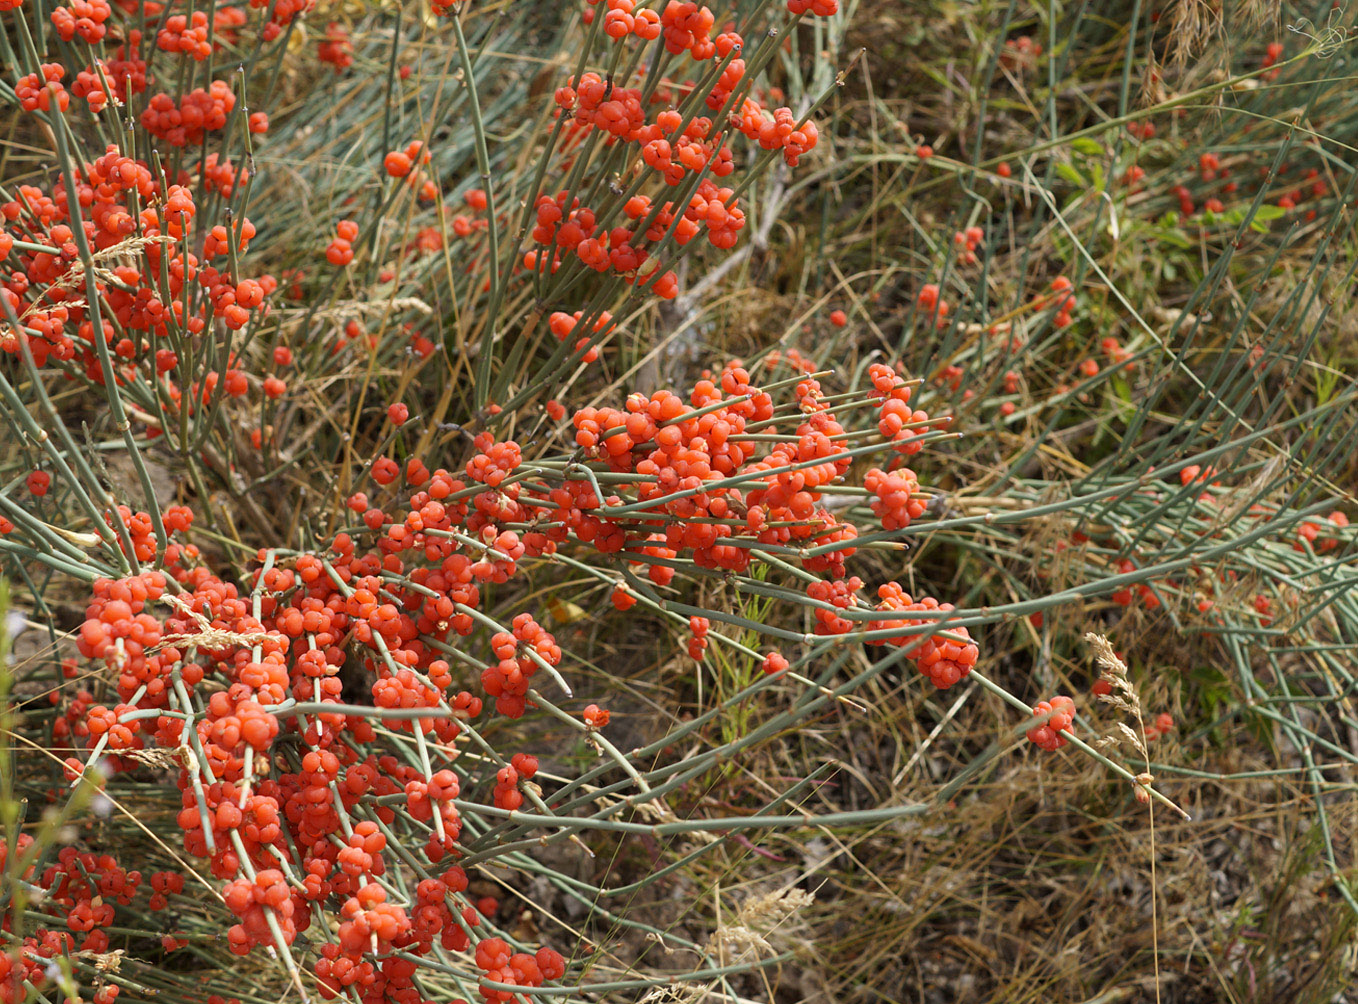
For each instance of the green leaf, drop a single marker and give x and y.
(1176, 237)
(1121, 389)
(1068, 172)
(1087, 146)
(1258, 219)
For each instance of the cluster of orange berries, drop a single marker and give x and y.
(1162, 725)
(520, 653)
(185, 123)
(186, 35)
(838, 594)
(574, 233)
(282, 14)
(1059, 713)
(298, 640)
(476, 201)
(562, 324)
(896, 496)
(967, 241)
(774, 663)
(253, 902)
(39, 93)
(1020, 53)
(697, 642)
(508, 794)
(945, 658)
(1272, 54)
(1320, 536)
(120, 198)
(673, 144)
(896, 420)
(1063, 299)
(84, 18)
(403, 164)
(930, 300)
(501, 964)
(595, 717)
(81, 891)
(336, 48)
(780, 132)
(674, 456)
(340, 251)
(623, 19)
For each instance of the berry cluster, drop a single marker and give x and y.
(312, 713)
(396, 593)
(946, 657)
(675, 142)
(896, 419)
(145, 309)
(1059, 715)
(967, 241)
(897, 498)
(81, 892)
(501, 964)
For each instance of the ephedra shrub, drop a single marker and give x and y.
(318, 673)
(324, 407)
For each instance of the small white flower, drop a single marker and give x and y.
(100, 767)
(15, 624)
(101, 805)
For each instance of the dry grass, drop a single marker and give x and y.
(1043, 877)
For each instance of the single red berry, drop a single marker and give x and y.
(595, 717)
